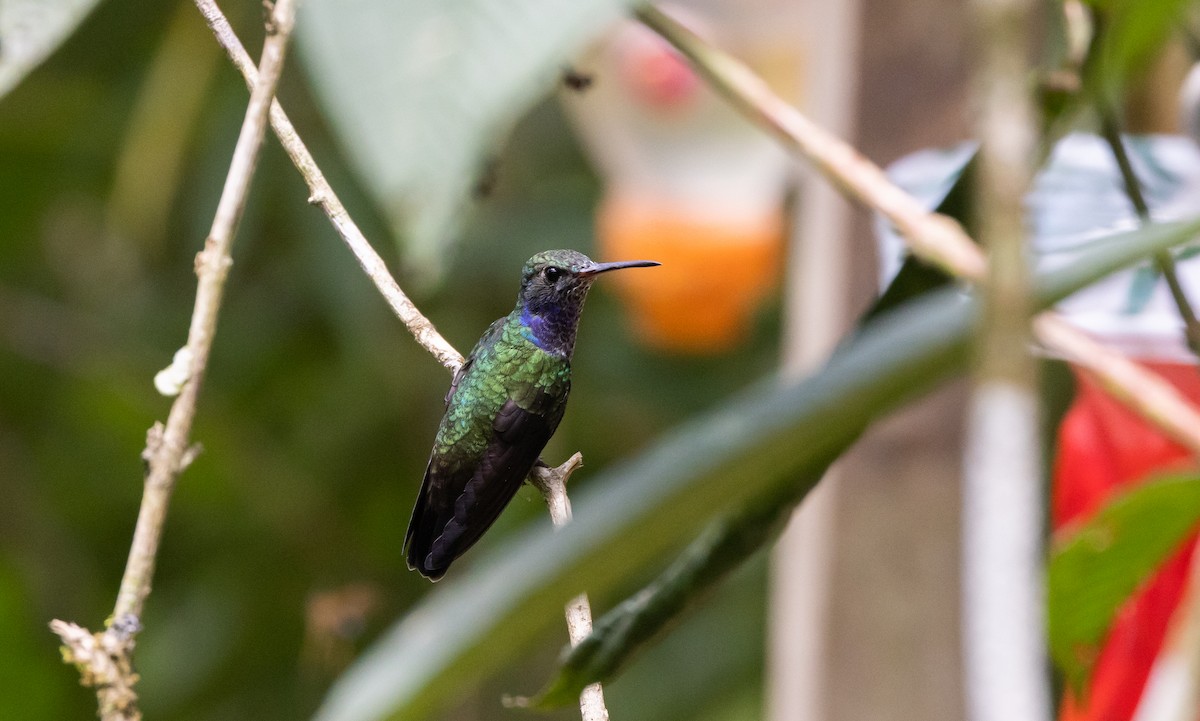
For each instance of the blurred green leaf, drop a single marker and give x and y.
(1095, 568)
(30, 30)
(1128, 35)
(630, 627)
(419, 93)
(633, 514)
(681, 679)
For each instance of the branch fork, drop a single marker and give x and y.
(105, 662)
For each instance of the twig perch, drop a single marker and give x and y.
(552, 482)
(105, 659)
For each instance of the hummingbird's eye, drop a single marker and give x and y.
(552, 274)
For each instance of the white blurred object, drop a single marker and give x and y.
(169, 381)
(1077, 198)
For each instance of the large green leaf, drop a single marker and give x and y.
(756, 444)
(32, 29)
(1095, 568)
(420, 92)
(626, 630)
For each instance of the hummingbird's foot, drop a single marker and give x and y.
(552, 482)
(543, 476)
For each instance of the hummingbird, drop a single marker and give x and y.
(502, 407)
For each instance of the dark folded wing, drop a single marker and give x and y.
(458, 502)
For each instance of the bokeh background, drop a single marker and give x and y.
(282, 558)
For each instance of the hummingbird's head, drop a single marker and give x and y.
(557, 281)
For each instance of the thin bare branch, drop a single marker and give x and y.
(106, 658)
(212, 267)
(321, 195)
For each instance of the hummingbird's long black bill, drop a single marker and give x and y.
(597, 268)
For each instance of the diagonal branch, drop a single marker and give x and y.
(937, 239)
(321, 195)
(931, 237)
(105, 659)
(212, 266)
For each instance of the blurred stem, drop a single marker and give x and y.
(100, 657)
(321, 195)
(803, 564)
(1133, 188)
(936, 239)
(1164, 260)
(1003, 619)
(1136, 387)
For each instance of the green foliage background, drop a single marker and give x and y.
(318, 409)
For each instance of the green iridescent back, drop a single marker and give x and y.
(505, 364)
